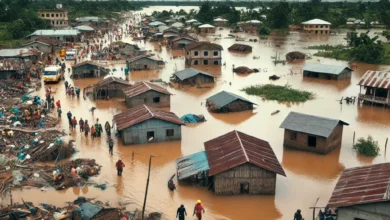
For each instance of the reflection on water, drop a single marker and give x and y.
(309, 176)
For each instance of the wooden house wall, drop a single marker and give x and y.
(260, 181)
(198, 79)
(235, 106)
(301, 142)
(137, 134)
(147, 99)
(335, 139)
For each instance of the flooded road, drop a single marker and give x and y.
(309, 176)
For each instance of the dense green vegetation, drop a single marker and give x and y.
(279, 93)
(367, 147)
(361, 47)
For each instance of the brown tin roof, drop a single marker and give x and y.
(236, 148)
(112, 79)
(142, 57)
(376, 79)
(208, 45)
(361, 185)
(142, 87)
(142, 113)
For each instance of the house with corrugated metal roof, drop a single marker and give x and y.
(69, 35)
(363, 193)
(182, 42)
(312, 133)
(144, 62)
(223, 102)
(375, 88)
(324, 71)
(147, 93)
(88, 69)
(233, 164)
(145, 124)
(191, 76)
(206, 29)
(316, 26)
(110, 87)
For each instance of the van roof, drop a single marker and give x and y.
(52, 68)
(71, 52)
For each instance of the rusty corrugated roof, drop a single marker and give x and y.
(142, 87)
(210, 46)
(376, 79)
(236, 148)
(112, 79)
(142, 113)
(361, 185)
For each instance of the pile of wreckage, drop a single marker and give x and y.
(80, 209)
(240, 48)
(295, 55)
(244, 70)
(60, 176)
(28, 112)
(32, 146)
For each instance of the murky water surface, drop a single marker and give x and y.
(309, 176)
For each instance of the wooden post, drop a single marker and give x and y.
(314, 213)
(353, 143)
(386, 145)
(146, 191)
(132, 156)
(10, 195)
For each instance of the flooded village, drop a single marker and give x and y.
(134, 117)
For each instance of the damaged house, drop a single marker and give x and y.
(144, 124)
(110, 87)
(147, 93)
(191, 76)
(375, 87)
(144, 63)
(228, 102)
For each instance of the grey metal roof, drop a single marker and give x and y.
(90, 19)
(324, 68)
(54, 33)
(223, 98)
(310, 124)
(18, 52)
(190, 72)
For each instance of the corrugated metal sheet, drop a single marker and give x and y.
(316, 21)
(19, 52)
(186, 38)
(323, 68)
(55, 33)
(376, 79)
(190, 72)
(112, 79)
(142, 87)
(141, 57)
(191, 165)
(208, 45)
(223, 98)
(361, 185)
(89, 62)
(310, 124)
(236, 148)
(142, 113)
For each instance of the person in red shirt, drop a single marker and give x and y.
(74, 123)
(119, 167)
(198, 210)
(58, 104)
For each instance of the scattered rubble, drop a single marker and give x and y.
(274, 77)
(243, 70)
(295, 55)
(240, 48)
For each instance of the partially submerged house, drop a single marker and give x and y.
(203, 53)
(180, 43)
(145, 124)
(233, 164)
(144, 62)
(316, 26)
(191, 76)
(68, 35)
(376, 87)
(110, 87)
(147, 93)
(88, 69)
(228, 102)
(363, 193)
(312, 133)
(42, 47)
(220, 22)
(171, 33)
(128, 50)
(324, 71)
(240, 48)
(206, 29)
(251, 26)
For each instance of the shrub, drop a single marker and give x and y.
(367, 147)
(264, 30)
(279, 93)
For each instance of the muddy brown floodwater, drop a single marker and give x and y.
(309, 176)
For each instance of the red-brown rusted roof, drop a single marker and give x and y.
(142, 87)
(236, 148)
(376, 79)
(142, 113)
(112, 79)
(362, 185)
(210, 46)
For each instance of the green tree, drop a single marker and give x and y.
(205, 14)
(364, 48)
(17, 29)
(279, 15)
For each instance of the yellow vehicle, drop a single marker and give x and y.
(62, 53)
(52, 74)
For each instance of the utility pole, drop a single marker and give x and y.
(147, 186)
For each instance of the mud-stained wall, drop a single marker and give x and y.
(260, 181)
(301, 142)
(375, 211)
(149, 98)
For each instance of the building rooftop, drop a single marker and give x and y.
(223, 98)
(192, 164)
(141, 57)
(206, 26)
(236, 148)
(316, 21)
(191, 21)
(90, 19)
(310, 124)
(142, 113)
(324, 68)
(210, 46)
(190, 72)
(142, 87)
(156, 24)
(89, 62)
(220, 19)
(54, 33)
(376, 79)
(17, 52)
(84, 28)
(112, 79)
(177, 25)
(362, 185)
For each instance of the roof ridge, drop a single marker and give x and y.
(147, 108)
(147, 85)
(242, 146)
